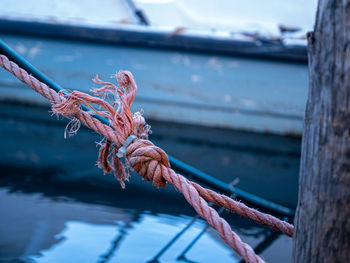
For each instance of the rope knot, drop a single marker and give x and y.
(149, 161)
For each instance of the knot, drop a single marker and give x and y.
(149, 161)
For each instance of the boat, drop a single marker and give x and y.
(201, 76)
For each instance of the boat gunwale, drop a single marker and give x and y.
(139, 37)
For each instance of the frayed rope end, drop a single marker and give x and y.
(120, 118)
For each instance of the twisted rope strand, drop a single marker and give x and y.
(54, 97)
(243, 210)
(148, 160)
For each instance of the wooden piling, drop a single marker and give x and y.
(322, 223)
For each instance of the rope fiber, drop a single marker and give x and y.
(141, 155)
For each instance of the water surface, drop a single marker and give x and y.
(62, 225)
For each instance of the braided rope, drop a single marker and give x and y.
(148, 160)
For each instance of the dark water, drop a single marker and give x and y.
(68, 224)
(56, 206)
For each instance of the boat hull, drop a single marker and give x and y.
(202, 89)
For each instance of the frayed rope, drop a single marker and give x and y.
(119, 116)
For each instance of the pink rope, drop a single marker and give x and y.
(148, 160)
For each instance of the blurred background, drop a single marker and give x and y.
(223, 85)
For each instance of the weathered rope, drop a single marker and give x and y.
(245, 211)
(148, 160)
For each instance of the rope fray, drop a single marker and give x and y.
(119, 116)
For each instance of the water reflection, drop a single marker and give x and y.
(66, 231)
(59, 227)
(86, 242)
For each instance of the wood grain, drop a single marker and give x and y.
(322, 223)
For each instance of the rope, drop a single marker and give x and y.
(140, 154)
(245, 211)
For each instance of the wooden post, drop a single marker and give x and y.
(322, 223)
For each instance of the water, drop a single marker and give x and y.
(69, 224)
(56, 206)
